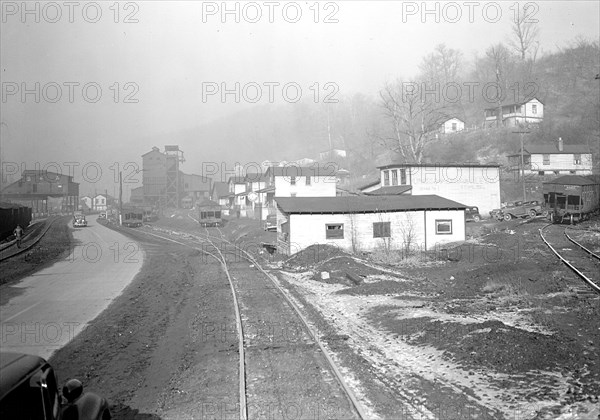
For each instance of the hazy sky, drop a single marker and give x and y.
(153, 63)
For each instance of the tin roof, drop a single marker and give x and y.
(552, 149)
(440, 165)
(571, 180)
(362, 204)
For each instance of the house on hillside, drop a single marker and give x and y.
(452, 125)
(85, 203)
(470, 183)
(553, 159)
(368, 223)
(515, 114)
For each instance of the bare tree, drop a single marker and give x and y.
(525, 33)
(409, 234)
(442, 66)
(413, 119)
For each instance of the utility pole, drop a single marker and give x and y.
(120, 198)
(521, 133)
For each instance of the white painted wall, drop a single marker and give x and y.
(447, 126)
(561, 162)
(320, 186)
(472, 186)
(310, 229)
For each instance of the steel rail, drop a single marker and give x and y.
(31, 245)
(589, 251)
(586, 279)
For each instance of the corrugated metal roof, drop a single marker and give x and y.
(571, 180)
(392, 190)
(352, 204)
(440, 165)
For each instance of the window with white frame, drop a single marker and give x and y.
(534, 109)
(394, 177)
(546, 159)
(443, 227)
(402, 176)
(386, 178)
(577, 159)
(308, 180)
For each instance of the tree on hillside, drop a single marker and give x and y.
(413, 118)
(441, 66)
(525, 32)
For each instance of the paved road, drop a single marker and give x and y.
(56, 303)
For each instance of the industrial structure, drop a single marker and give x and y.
(44, 191)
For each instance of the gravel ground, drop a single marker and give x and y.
(495, 332)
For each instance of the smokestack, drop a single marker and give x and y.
(560, 144)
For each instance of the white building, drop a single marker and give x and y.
(100, 203)
(517, 114)
(453, 125)
(367, 223)
(295, 181)
(471, 184)
(553, 159)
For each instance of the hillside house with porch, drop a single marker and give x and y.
(515, 114)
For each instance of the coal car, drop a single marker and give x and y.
(571, 198)
(209, 213)
(132, 217)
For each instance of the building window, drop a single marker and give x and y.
(381, 230)
(540, 172)
(577, 159)
(292, 180)
(443, 227)
(292, 194)
(402, 176)
(386, 178)
(394, 177)
(454, 127)
(534, 109)
(572, 172)
(546, 159)
(34, 187)
(334, 231)
(556, 172)
(308, 180)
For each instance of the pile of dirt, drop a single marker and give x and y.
(310, 257)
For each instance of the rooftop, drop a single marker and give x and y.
(571, 180)
(313, 170)
(552, 149)
(391, 190)
(440, 165)
(361, 204)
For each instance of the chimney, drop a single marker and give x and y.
(560, 144)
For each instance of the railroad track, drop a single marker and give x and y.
(581, 260)
(257, 302)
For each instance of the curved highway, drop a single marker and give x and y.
(46, 310)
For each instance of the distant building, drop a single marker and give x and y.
(472, 184)
(295, 181)
(367, 223)
(332, 154)
(516, 114)
(137, 196)
(37, 187)
(452, 125)
(553, 159)
(220, 193)
(85, 203)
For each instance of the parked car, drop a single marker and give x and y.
(29, 390)
(270, 225)
(472, 213)
(521, 209)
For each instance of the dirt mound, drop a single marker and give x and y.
(313, 255)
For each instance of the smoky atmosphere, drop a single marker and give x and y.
(300, 210)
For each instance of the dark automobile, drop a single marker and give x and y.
(29, 390)
(472, 213)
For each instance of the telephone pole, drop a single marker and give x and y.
(521, 133)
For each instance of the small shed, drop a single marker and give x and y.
(367, 223)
